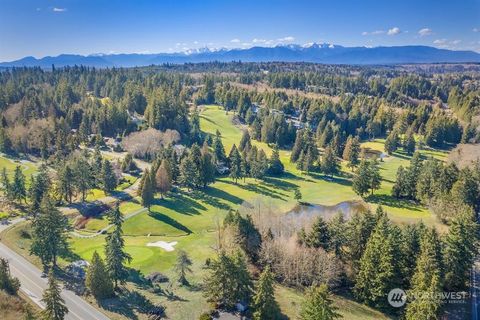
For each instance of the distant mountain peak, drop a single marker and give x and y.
(327, 53)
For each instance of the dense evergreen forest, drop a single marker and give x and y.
(63, 118)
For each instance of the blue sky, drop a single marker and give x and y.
(51, 27)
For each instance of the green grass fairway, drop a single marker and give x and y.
(10, 164)
(191, 219)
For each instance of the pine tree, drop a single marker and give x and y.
(66, 183)
(351, 152)
(49, 233)
(39, 186)
(245, 143)
(409, 143)
(228, 281)
(377, 266)
(109, 180)
(460, 250)
(374, 177)
(84, 175)
(218, 149)
(359, 230)
(297, 147)
(297, 195)
(319, 236)
(275, 165)
(361, 182)
(318, 305)
(162, 178)
(392, 142)
(264, 305)
(337, 233)
(426, 281)
(235, 164)
(329, 163)
(55, 308)
(98, 280)
(7, 282)
(115, 253)
(147, 190)
(17, 187)
(182, 267)
(208, 168)
(188, 173)
(6, 185)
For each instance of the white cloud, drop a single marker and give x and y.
(425, 32)
(235, 40)
(456, 41)
(55, 9)
(440, 41)
(259, 40)
(195, 42)
(287, 39)
(373, 33)
(476, 29)
(394, 31)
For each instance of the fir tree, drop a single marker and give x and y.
(409, 143)
(49, 233)
(361, 181)
(318, 305)
(148, 191)
(235, 164)
(245, 143)
(392, 142)
(55, 308)
(109, 180)
(17, 187)
(207, 168)
(182, 267)
(377, 267)
(115, 253)
(98, 280)
(7, 282)
(329, 163)
(264, 305)
(275, 165)
(218, 149)
(426, 281)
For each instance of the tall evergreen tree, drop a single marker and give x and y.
(182, 267)
(115, 253)
(218, 149)
(319, 305)
(55, 308)
(235, 164)
(147, 191)
(460, 250)
(98, 280)
(426, 281)
(264, 305)
(109, 180)
(17, 187)
(7, 282)
(49, 233)
(329, 163)
(275, 164)
(351, 152)
(377, 265)
(207, 170)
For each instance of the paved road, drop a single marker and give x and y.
(33, 285)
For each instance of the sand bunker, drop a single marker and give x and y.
(167, 246)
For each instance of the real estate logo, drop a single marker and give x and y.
(397, 298)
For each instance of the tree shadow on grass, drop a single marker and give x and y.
(263, 190)
(342, 180)
(180, 203)
(170, 221)
(210, 200)
(126, 303)
(274, 182)
(218, 193)
(388, 200)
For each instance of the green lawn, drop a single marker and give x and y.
(10, 164)
(190, 218)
